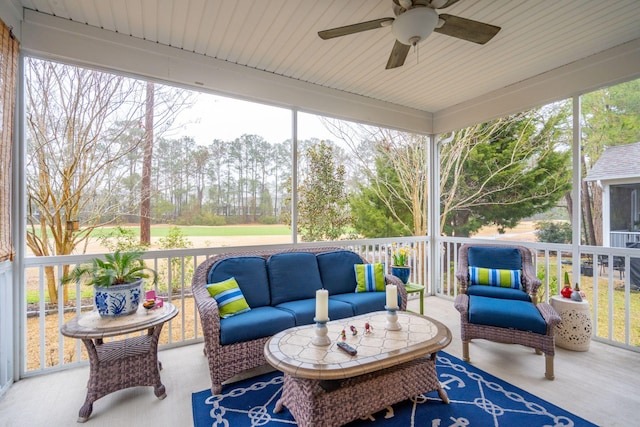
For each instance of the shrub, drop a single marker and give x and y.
(553, 232)
(122, 239)
(175, 239)
(268, 220)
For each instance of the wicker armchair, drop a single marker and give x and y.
(226, 361)
(541, 342)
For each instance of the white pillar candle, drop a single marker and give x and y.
(322, 305)
(392, 296)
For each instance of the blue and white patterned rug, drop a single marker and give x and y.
(477, 399)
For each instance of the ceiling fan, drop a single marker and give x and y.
(415, 20)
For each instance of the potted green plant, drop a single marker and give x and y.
(117, 281)
(400, 268)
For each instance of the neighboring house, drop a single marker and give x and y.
(617, 171)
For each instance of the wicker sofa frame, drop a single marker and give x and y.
(539, 342)
(226, 361)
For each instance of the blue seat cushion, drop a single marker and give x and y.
(505, 313)
(257, 323)
(251, 274)
(364, 302)
(336, 271)
(305, 310)
(503, 258)
(293, 276)
(496, 292)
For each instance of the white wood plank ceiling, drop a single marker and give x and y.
(280, 37)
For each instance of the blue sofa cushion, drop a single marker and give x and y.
(336, 271)
(505, 313)
(260, 322)
(364, 302)
(251, 274)
(293, 276)
(495, 257)
(305, 310)
(496, 292)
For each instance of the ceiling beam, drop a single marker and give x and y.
(606, 68)
(64, 40)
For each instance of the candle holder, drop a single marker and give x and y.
(392, 319)
(321, 338)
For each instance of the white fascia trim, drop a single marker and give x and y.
(67, 41)
(609, 67)
(620, 180)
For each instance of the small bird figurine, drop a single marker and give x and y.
(367, 328)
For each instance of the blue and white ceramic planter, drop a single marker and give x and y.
(118, 300)
(401, 272)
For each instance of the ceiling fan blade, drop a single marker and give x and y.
(354, 28)
(467, 29)
(398, 55)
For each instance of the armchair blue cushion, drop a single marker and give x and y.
(495, 257)
(504, 313)
(495, 292)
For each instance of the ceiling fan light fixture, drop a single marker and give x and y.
(415, 25)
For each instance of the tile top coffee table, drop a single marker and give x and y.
(119, 364)
(325, 386)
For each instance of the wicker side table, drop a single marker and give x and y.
(119, 364)
(574, 331)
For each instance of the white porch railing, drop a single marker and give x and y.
(45, 349)
(619, 239)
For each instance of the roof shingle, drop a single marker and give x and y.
(619, 162)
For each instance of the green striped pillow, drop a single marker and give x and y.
(494, 277)
(229, 297)
(370, 277)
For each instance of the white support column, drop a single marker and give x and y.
(606, 215)
(576, 190)
(294, 175)
(19, 226)
(434, 213)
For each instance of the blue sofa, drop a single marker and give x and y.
(279, 287)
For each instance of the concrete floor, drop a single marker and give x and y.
(601, 385)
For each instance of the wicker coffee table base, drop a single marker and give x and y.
(313, 406)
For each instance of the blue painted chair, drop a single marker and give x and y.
(498, 300)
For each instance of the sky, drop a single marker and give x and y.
(217, 117)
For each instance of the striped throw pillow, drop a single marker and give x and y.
(494, 277)
(370, 277)
(229, 297)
